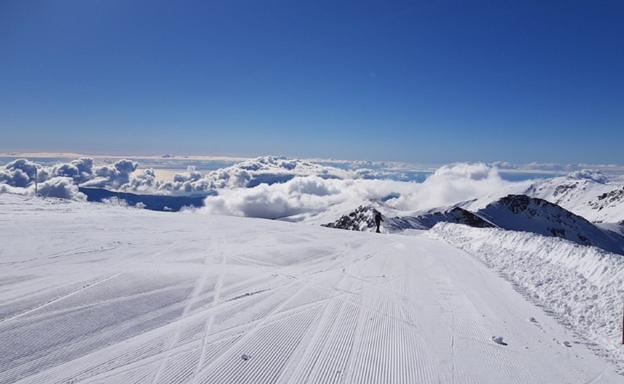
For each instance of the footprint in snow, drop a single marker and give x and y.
(536, 323)
(498, 340)
(567, 344)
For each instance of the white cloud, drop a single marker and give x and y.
(298, 195)
(270, 187)
(62, 180)
(20, 173)
(248, 173)
(122, 176)
(587, 174)
(114, 176)
(448, 185)
(79, 170)
(61, 187)
(451, 184)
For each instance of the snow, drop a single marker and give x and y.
(109, 294)
(523, 213)
(362, 219)
(301, 190)
(582, 286)
(593, 195)
(580, 193)
(513, 212)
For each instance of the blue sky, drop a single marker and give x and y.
(434, 81)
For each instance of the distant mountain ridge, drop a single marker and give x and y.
(513, 212)
(362, 219)
(530, 214)
(586, 193)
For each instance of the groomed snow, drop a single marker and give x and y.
(582, 286)
(95, 293)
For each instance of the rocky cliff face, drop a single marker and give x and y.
(361, 219)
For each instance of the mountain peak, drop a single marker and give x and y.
(531, 214)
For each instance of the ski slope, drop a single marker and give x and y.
(98, 294)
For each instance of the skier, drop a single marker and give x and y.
(378, 220)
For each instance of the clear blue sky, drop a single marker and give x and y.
(431, 81)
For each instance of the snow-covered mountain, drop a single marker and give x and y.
(590, 194)
(362, 219)
(429, 218)
(512, 212)
(572, 189)
(609, 206)
(300, 190)
(529, 214)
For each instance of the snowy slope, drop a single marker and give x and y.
(590, 194)
(573, 189)
(581, 285)
(99, 294)
(587, 193)
(362, 219)
(609, 206)
(523, 213)
(512, 212)
(427, 219)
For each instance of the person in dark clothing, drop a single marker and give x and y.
(378, 220)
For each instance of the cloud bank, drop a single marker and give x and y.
(62, 180)
(61, 187)
(304, 194)
(451, 184)
(310, 194)
(270, 187)
(123, 176)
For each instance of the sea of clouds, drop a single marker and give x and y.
(266, 187)
(62, 180)
(122, 175)
(448, 185)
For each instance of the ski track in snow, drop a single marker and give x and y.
(199, 299)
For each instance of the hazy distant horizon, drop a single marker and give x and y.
(166, 166)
